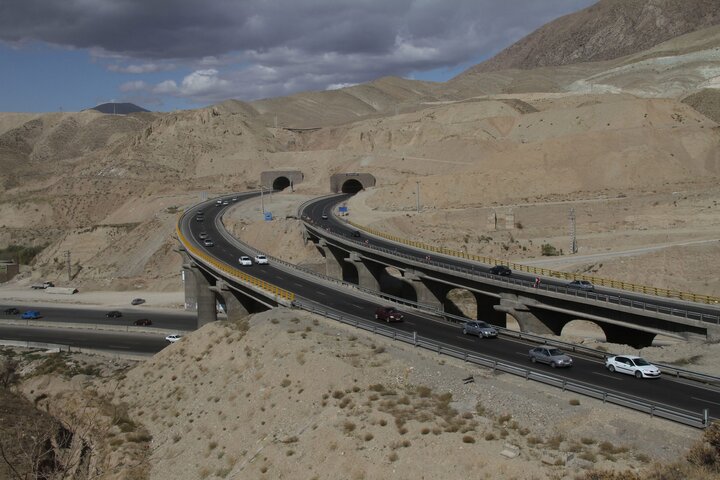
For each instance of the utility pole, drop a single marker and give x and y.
(417, 195)
(262, 202)
(69, 272)
(573, 237)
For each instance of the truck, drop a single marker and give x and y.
(42, 286)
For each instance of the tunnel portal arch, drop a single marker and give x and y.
(351, 186)
(281, 179)
(281, 183)
(350, 182)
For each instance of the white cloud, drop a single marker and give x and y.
(136, 86)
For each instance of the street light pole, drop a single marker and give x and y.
(417, 195)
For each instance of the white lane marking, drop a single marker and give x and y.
(297, 284)
(320, 292)
(706, 401)
(408, 323)
(606, 375)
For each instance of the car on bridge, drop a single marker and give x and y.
(261, 259)
(30, 315)
(551, 356)
(208, 242)
(388, 314)
(632, 365)
(581, 285)
(11, 311)
(202, 235)
(501, 270)
(245, 261)
(324, 216)
(481, 329)
(114, 314)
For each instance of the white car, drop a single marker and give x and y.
(632, 365)
(245, 261)
(261, 259)
(172, 338)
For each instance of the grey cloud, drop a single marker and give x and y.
(290, 45)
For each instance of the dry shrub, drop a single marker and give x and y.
(468, 439)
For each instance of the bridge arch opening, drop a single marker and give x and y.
(351, 186)
(280, 183)
(584, 329)
(461, 302)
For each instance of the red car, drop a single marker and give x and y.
(388, 314)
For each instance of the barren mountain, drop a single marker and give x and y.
(604, 31)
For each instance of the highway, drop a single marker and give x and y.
(316, 209)
(665, 391)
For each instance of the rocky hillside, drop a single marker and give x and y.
(607, 30)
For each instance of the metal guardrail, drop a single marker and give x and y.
(660, 292)
(693, 419)
(274, 290)
(591, 295)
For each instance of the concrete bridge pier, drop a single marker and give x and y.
(369, 274)
(333, 259)
(206, 302)
(526, 319)
(236, 307)
(426, 291)
(189, 281)
(486, 310)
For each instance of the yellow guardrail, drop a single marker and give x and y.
(660, 292)
(242, 276)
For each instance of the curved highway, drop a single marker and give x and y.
(665, 391)
(314, 211)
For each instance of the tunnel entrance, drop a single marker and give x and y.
(281, 183)
(351, 186)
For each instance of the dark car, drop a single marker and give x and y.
(500, 270)
(137, 301)
(142, 322)
(11, 311)
(356, 233)
(114, 314)
(388, 314)
(582, 285)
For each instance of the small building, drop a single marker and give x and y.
(8, 270)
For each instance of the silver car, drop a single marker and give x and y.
(481, 329)
(551, 356)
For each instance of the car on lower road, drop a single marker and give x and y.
(388, 314)
(172, 338)
(142, 322)
(501, 270)
(632, 365)
(245, 261)
(30, 315)
(137, 301)
(481, 329)
(11, 311)
(551, 356)
(581, 285)
(261, 259)
(114, 314)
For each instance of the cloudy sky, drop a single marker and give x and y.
(175, 54)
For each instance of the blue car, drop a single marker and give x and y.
(31, 315)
